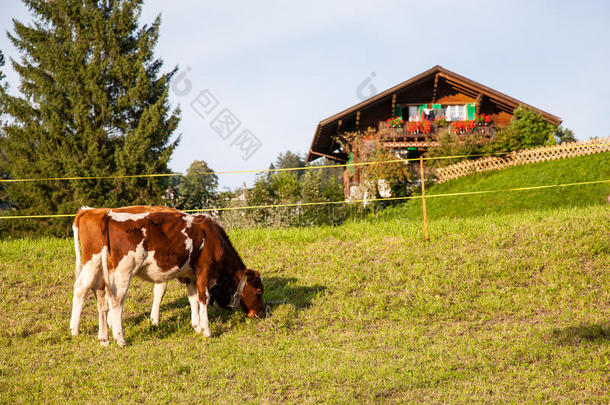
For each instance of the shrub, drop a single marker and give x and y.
(527, 129)
(451, 144)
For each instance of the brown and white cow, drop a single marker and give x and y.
(87, 220)
(158, 245)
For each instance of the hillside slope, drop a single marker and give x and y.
(572, 170)
(498, 309)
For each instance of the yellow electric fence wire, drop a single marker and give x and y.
(286, 169)
(345, 202)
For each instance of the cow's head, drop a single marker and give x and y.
(252, 294)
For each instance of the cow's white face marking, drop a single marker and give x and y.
(126, 216)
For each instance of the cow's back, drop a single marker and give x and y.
(157, 246)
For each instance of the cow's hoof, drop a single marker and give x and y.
(74, 332)
(104, 342)
(121, 343)
(207, 333)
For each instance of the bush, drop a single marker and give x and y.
(527, 129)
(451, 144)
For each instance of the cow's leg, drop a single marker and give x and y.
(87, 279)
(116, 296)
(191, 291)
(158, 293)
(102, 309)
(204, 298)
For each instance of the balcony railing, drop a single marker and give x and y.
(403, 134)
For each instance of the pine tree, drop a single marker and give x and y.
(1, 64)
(93, 103)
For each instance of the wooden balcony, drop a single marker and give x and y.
(399, 137)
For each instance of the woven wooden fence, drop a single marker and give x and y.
(522, 157)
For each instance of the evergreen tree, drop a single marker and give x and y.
(3, 174)
(1, 64)
(197, 188)
(93, 102)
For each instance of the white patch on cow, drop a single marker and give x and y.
(126, 216)
(189, 220)
(188, 242)
(85, 208)
(149, 269)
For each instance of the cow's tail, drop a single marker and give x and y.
(106, 250)
(77, 265)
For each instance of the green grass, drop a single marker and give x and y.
(494, 309)
(572, 170)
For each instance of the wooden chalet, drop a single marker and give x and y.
(437, 98)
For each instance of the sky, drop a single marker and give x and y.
(278, 68)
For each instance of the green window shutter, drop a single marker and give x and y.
(421, 109)
(397, 111)
(436, 106)
(470, 111)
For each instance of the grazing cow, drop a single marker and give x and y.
(87, 219)
(159, 246)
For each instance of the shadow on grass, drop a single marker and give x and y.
(278, 291)
(285, 290)
(573, 335)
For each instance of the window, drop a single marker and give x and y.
(413, 113)
(456, 112)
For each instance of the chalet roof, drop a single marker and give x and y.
(317, 150)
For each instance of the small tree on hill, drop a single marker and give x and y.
(93, 103)
(290, 159)
(563, 135)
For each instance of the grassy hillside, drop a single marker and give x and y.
(572, 170)
(497, 309)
